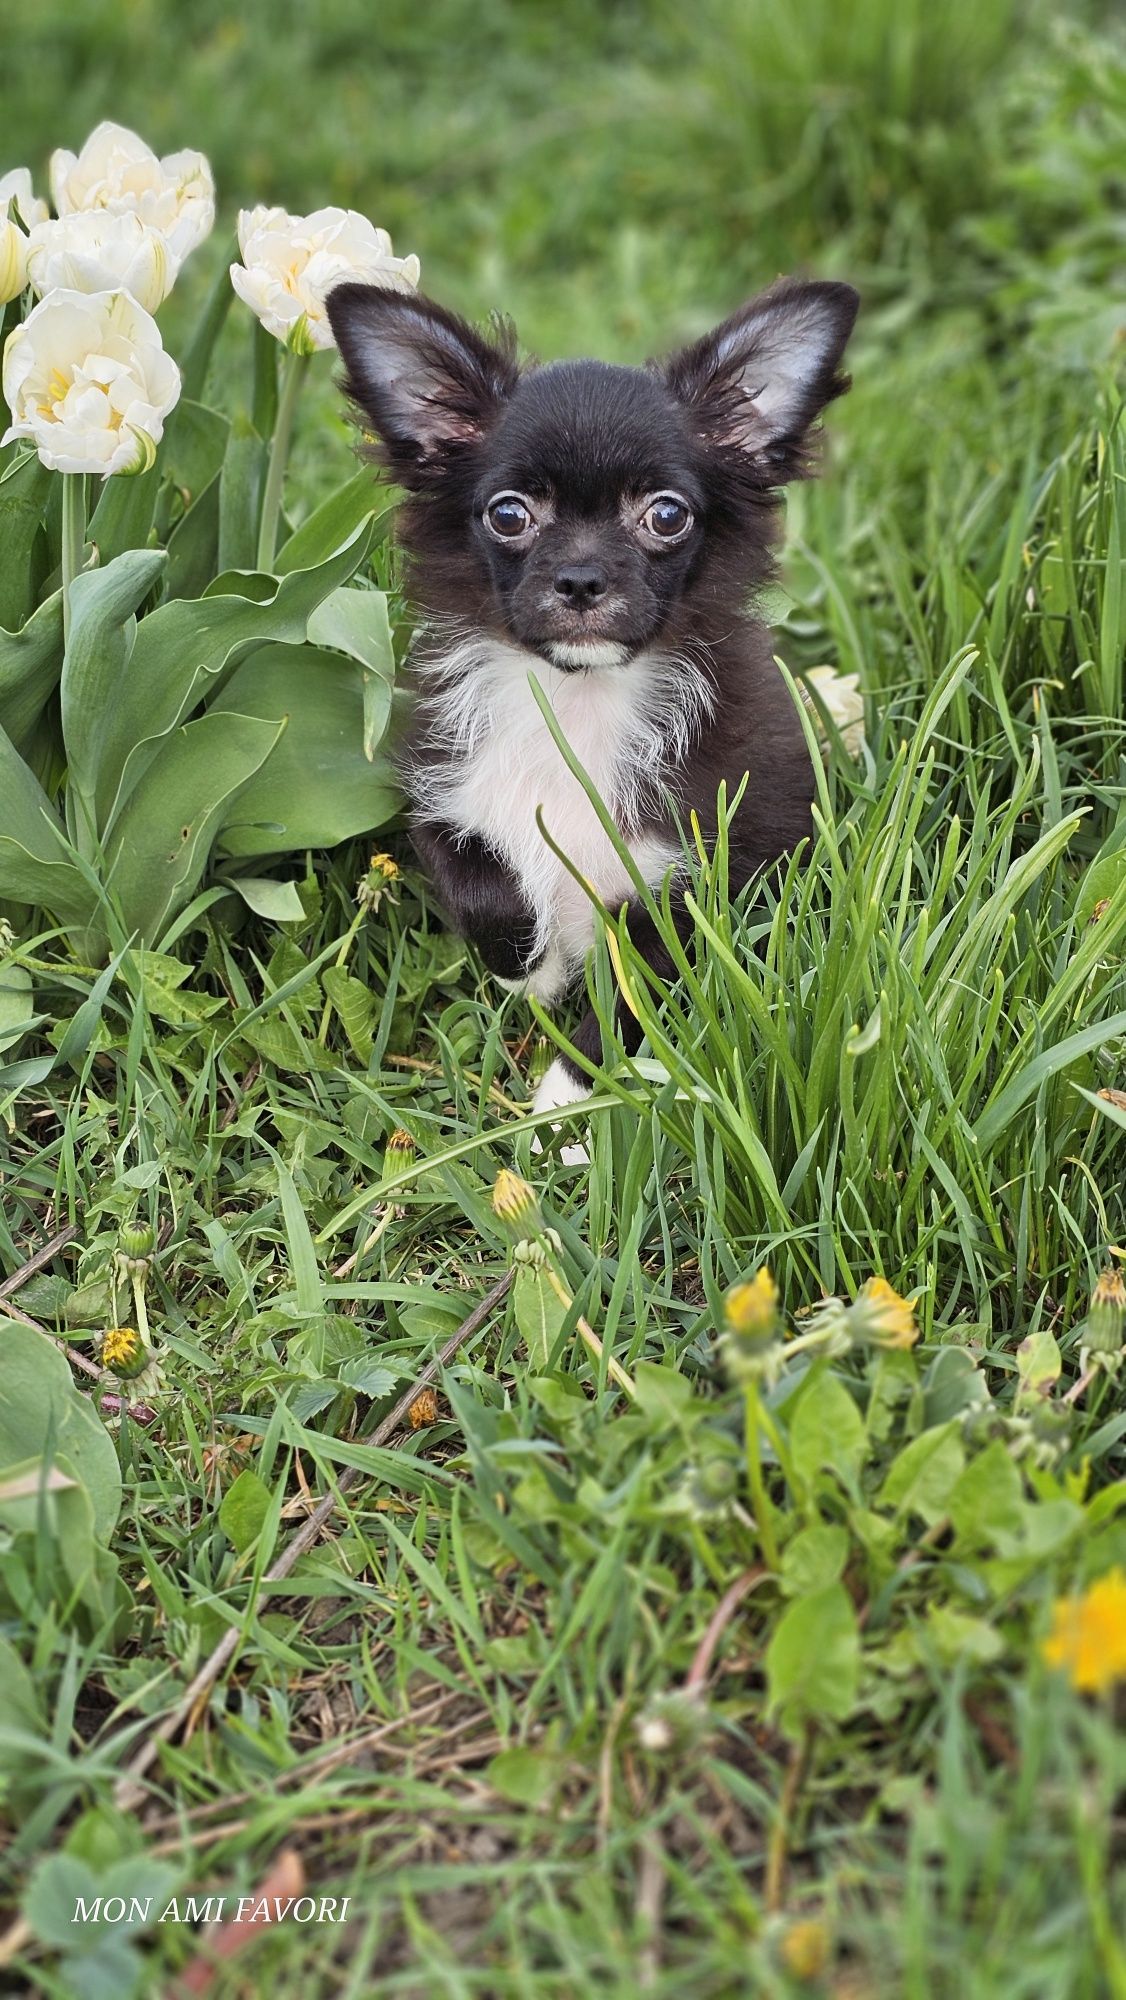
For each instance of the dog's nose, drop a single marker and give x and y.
(580, 584)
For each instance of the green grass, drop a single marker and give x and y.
(896, 1063)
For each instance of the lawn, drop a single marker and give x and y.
(512, 1557)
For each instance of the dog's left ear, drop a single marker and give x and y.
(757, 383)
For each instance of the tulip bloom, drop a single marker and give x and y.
(845, 703)
(117, 171)
(88, 383)
(17, 206)
(291, 262)
(98, 251)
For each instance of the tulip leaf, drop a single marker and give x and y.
(102, 636)
(163, 836)
(318, 787)
(30, 664)
(41, 1407)
(33, 863)
(278, 901)
(240, 497)
(185, 650)
(332, 523)
(124, 513)
(193, 546)
(23, 500)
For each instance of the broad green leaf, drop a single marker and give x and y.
(23, 501)
(356, 622)
(331, 524)
(1039, 1366)
(40, 1402)
(123, 515)
(986, 1500)
(161, 842)
(244, 1509)
(923, 1476)
(318, 787)
(185, 651)
(813, 1560)
(368, 1375)
(526, 1776)
(31, 661)
(93, 686)
(33, 863)
(958, 1637)
(540, 1313)
(663, 1393)
(16, 1004)
(279, 901)
(192, 547)
(240, 496)
(813, 1660)
(827, 1431)
(357, 1007)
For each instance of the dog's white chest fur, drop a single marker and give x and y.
(627, 726)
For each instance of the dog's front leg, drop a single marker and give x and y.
(485, 903)
(566, 1082)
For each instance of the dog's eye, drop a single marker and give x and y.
(509, 517)
(667, 517)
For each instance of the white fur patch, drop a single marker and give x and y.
(560, 1087)
(588, 653)
(629, 726)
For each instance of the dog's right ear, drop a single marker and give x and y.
(426, 381)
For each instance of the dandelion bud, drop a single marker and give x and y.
(1105, 1329)
(540, 1062)
(804, 1950)
(516, 1204)
(400, 1152)
(135, 1242)
(752, 1324)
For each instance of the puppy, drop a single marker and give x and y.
(599, 530)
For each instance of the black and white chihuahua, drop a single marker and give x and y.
(599, 529)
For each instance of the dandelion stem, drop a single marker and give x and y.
(142, 1309)
(764, 1513)
(74, 538)
(293, 370)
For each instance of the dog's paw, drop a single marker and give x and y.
(559, 1087)
(546, 982)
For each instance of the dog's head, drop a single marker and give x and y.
(580, 509)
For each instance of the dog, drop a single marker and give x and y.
(601, 531)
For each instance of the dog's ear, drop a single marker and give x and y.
(757, 382)
(426, 381)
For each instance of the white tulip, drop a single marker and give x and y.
(291, 262)
(17, 205)
(88, 383)
(845, 703)
(100, 252)
(16, 192)
(13, 259)
(117, 171)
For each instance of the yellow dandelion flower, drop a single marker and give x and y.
(804, 1949)
(119, 1344)
(750, 1311)
(883, 1316)
(383, 864)
(1088, 1635)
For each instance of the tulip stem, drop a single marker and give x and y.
(293, 369)
(74, 538)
